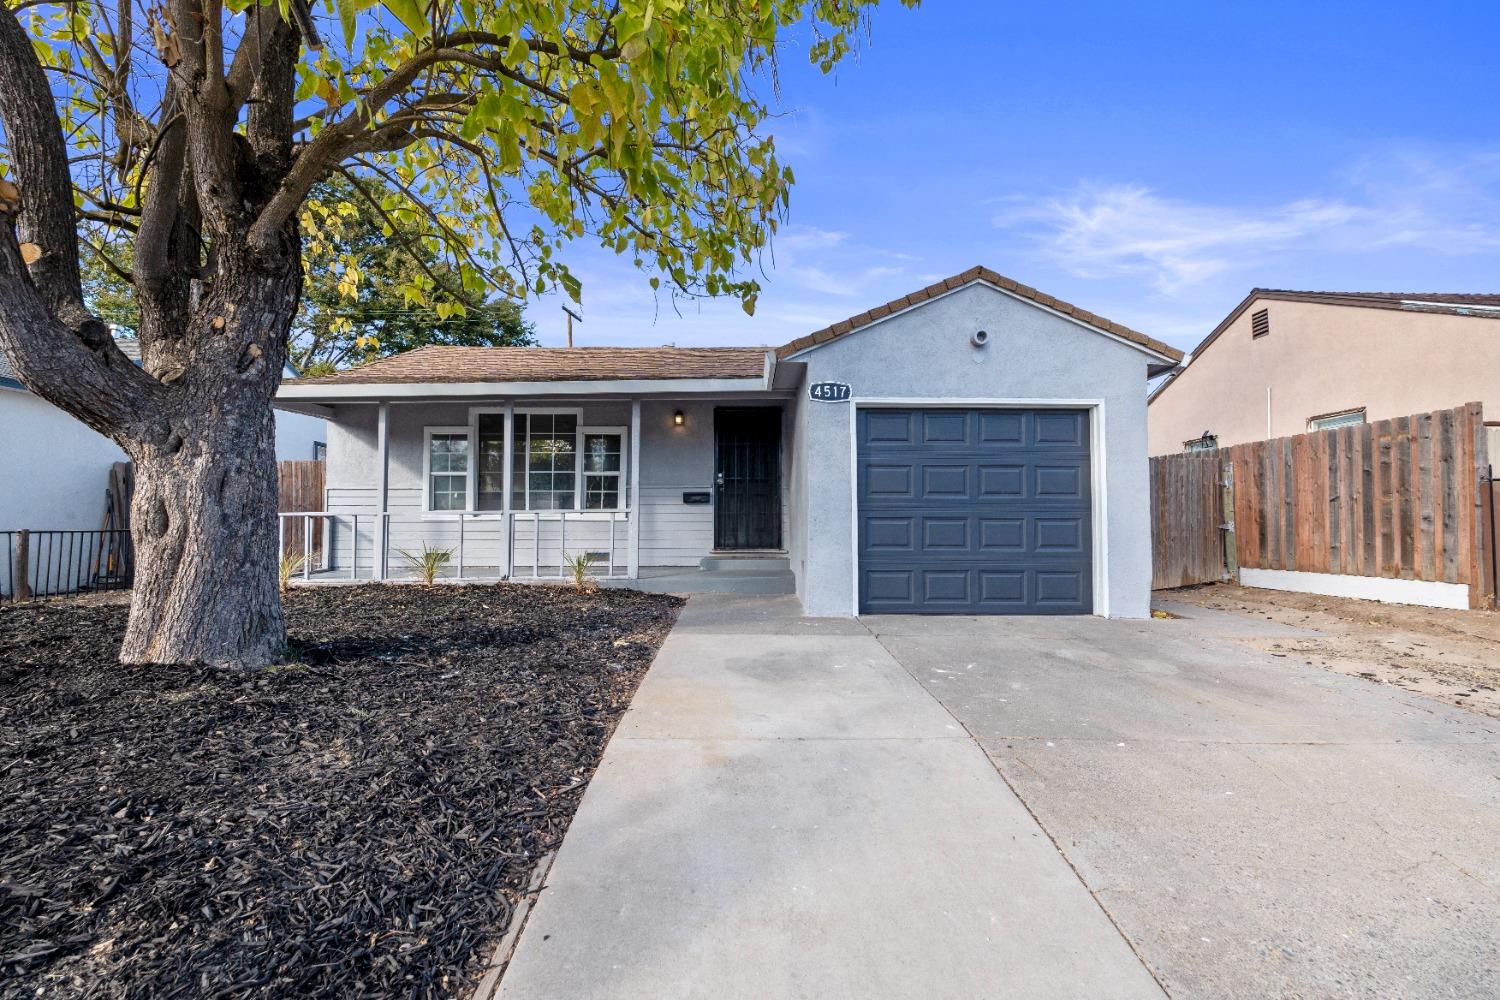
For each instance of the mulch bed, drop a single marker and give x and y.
(357, 822)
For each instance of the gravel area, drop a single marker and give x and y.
(355, 822)
(1453, 656)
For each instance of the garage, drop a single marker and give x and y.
(975, 447)
(974, 511)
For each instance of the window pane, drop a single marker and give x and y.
(1338, 420)
(601, 492)
(546, 461)
(448, 464)
(601, 453)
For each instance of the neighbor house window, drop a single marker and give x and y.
(448, 468)
(1208, 442)
(320, 451)
(1260, 324)
(1344, 418)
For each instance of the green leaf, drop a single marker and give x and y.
(412, 13)
(348, 11)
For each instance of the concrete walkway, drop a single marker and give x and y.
(786, 813)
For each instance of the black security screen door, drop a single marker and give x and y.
(747, 478)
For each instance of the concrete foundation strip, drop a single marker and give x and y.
(490, 984)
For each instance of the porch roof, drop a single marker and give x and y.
(473, 372)
(551, 364)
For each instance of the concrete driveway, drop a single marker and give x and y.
(1019, 808)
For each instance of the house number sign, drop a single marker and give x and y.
(829, 392)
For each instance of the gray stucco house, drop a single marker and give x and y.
(976, 447)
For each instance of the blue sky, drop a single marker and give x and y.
(1149, 161)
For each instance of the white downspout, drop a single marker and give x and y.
(633, 566)
(382, 490)
(1270, 433)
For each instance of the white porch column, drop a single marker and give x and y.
(382, 488)
(507, 477)
(633, 565)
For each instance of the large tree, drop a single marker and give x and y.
(504, 128)
(372, 288)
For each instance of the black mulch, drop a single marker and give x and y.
(354, 823)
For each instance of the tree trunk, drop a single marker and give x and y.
(204, 526)
(204, 514)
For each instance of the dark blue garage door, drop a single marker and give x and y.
(974, 512)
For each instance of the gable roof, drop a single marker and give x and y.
(1484, 304)
(972, 275)
(437, 364)
(551, 364)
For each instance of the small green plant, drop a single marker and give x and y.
(291, 565)
(579, 565)
(429, 562)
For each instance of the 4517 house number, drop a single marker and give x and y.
(829, 392)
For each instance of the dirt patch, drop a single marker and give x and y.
(1453, 656)
(356, 822)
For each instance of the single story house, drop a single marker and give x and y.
(975, 447)
(1287, 362)
(54, 468)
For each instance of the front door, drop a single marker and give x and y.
(747, 478)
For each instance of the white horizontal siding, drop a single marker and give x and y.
(541, 540)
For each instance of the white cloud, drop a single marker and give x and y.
(1424, 203)
(1120, 230)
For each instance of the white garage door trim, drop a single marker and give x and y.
(1098, 451)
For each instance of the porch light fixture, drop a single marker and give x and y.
(678, 419)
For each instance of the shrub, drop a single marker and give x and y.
(579, 565)
(429, 562)
(291, 565)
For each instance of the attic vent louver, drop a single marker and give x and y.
(1260, 323)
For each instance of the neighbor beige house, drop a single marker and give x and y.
(1285, 362)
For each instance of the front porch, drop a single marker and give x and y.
(349, 549)
(662, 492)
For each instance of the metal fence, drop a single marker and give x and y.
(42, 564)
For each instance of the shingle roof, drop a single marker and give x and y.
(551, 364)
(973, 274)
(1457, 299)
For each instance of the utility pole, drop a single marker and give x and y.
(571, 317)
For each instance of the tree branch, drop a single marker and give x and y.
(40, 158)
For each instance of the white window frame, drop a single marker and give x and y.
(472, 432)
(543, 411)
(1341, 416)
(621, 482)
(469, 467)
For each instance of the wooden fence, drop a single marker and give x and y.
(301, 488)
(1187, 542)
(1399, 499)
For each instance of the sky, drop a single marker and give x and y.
(1151, 162)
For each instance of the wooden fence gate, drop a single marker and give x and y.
(1188, 518)
(301, 488)
(1400, 499)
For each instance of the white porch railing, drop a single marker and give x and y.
(477, 551)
